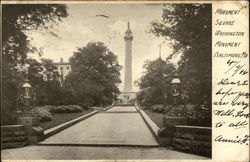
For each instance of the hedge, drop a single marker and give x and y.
(65, 109)
(43, 113)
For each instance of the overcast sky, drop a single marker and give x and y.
(82, 26)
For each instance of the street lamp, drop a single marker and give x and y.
(25, 97)
(170, 118)
(175, 87)
(165, 88)
(26, 89)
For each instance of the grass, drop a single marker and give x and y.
(59, 118)
(156, 117)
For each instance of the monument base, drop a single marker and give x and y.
(126, 98)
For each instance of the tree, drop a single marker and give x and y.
(17, 21)
(154, 84)
(95, 75)
(188, 27)
(44, 77)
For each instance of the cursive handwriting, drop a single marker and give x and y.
(237, 139)
(236, 68)
(232, 113)
(236, 101)
(236, 125)
(239, 124)
(226, 81)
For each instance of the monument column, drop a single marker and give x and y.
(128, 86)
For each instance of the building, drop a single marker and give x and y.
(63, 68)
(128, 95)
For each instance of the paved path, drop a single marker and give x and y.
(117, 126)
(122, 109)
(93, 153)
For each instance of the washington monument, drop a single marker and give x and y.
(128, 86)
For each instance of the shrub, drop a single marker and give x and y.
(196, 115)
(190, 111)
(180, 110)
(85, 106)
(157, 108)
(65, 109)
(42, 112)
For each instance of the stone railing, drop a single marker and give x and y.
(178, 135)
(13, 136)
(192, 139)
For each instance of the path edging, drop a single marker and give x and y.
(67, 124)
(151, 125)
(109, 107)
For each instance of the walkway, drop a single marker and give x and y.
(117, 126)
(93, 153)
(119, 133)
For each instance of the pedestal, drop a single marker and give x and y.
(168, 131)
(34, 131)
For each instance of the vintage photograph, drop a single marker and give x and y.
(111, 81)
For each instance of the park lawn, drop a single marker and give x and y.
(156, 117)
(59, 118)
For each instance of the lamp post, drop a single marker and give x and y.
(26, 89)
(165, 89)
(175, 88)
(26, 94)
(31, 122)
(113, 98)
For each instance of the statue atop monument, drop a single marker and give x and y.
(128, 33)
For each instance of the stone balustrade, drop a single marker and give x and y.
(13, 136)
(192, 139)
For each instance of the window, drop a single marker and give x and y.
(67, 67)
(61, 68)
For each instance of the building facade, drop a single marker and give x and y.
(63, 69)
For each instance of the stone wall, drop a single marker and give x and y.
(13, 136)
(192, 139)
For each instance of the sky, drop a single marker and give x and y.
(82, 26)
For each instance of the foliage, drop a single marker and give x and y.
(61, 118)
(157, 108)
(65, 109)
(85, 105)
(43, 113)
(154, 84)
(176, 110)
(196, 114)
(188, 27)
(17, 21)
(95, 75)
(44, 77)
